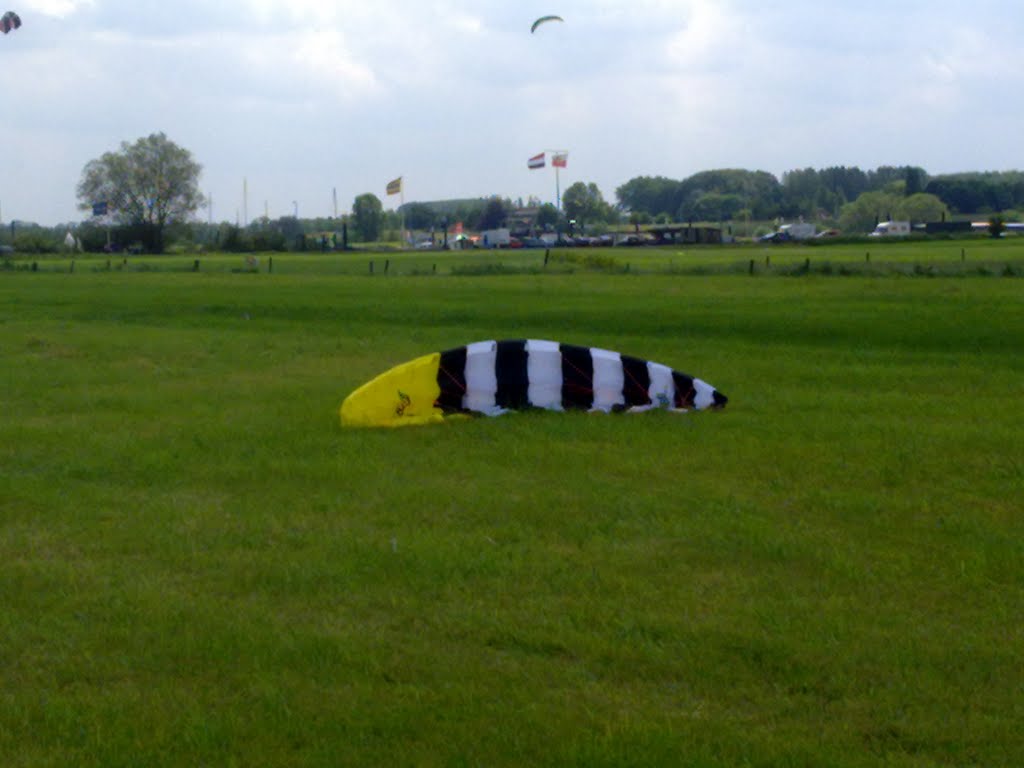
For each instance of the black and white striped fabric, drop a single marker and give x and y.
(491, 377)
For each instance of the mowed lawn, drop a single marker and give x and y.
(199, 566)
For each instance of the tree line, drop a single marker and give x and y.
(147, 194)
(726, 195)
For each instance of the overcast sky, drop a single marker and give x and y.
(304, 97)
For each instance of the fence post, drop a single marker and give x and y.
(371, 267)
(195, 265)
(751, 266)
(387, 265)
(270, 265)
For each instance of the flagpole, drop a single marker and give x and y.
(557, 161)
(558, 191)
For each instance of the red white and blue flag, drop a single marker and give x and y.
(537, 161)
(561, 160)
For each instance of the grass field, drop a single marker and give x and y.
(971, 257)
(198, 566)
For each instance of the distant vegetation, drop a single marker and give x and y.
(734, 194)
(749, 202)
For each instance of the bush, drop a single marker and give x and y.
(36, 242)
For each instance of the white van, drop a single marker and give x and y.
(892, 229)
(495, 238)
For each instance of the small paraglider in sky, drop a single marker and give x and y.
(9, 21)
(544, 20)
(490, 378)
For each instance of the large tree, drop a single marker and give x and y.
(757, 190)
(367, 217)
(650, 195)
(146, 186)
(922, 208)
(872, 207)
(419, 216)
(585, 204)
(547, 216)
(494, 214)
(864, 213)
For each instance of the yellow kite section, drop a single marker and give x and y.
(402, 396)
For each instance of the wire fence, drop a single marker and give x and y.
(983, 260)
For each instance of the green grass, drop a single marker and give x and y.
(199, 566)
(870, 257)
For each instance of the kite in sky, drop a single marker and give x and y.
(544, 20)
(493, 377)
(9, 21)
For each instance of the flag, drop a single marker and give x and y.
(560, 160)
(537, 161)
(394, 187)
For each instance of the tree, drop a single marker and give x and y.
(419, 216)
(147, 186)
(800, 189)
(547, 216)
(916, 179)
(758, 190)
(715, 206)
(584, 203)
(922, 208)
(996, 226)
(650, 195)
(844, 183)
(493, 215)
(979, 192)
(867, 210)
(864, 213)
(367, 216)
(636, 218)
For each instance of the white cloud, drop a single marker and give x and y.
(55, 8)
(324, 55)
(710, 36)
(305, 95)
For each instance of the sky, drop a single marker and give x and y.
(289, 106)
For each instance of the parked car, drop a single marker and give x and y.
(636, 240)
